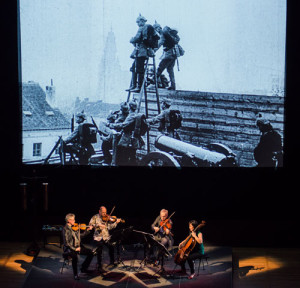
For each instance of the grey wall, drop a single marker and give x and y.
(229, 119)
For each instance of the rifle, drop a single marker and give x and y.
(98, 131)
(53, 149)
(72, 123)
(177, 64)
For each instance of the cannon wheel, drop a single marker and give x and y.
(159, 158)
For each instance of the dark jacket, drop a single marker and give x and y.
(128, 138)
(71, 238)
(163, 119)
(268, 146)
(140, 49)
(168, 46)
(156, 223)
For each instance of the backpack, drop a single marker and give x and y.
(141, 125)
(178, 50)
(150, 36)
(87, 133)
(171, 35)
(175, 119)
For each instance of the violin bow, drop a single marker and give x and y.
(168, 219)
(112, 210)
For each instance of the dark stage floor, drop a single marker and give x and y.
(46, 271)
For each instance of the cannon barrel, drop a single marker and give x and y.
(191, 155)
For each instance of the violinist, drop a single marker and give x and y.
(162, 227)
(73, 246)
(197, 251)
(102, 225)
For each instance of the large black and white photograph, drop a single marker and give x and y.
(153, 83)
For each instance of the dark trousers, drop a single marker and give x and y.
(83, 153)
(74, 255)
(168, 243)
(106, 147)
(157, 251)
(126, 156)
(190, 259)
(138, 67)
(169, 65)
(100, 244)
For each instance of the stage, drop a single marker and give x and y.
(45, 270)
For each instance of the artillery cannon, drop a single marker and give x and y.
(176, 153)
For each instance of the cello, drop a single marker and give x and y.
(188, 245)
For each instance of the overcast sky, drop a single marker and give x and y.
(232, 46)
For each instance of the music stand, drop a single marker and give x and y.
(116, 239)
(149, 240)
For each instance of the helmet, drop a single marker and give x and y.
(156, 25)
(132, 104)
(140, 17)
(263, 124)
(80, 117)
(124, 107)
(167, 102)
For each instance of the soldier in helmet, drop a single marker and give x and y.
(268, 152)
(163, 119)
(169, 55)
(140, 55)
(129, 141)
(75, 143)
(107, 141)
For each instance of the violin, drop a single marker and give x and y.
(188, 245)
(77, 226)
(111, 219)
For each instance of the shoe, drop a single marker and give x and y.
(136, 90)
(151, 86)
(192, 276)
(84, 270)
(151, 80)
(76, 277)
(183, 271)
(100, 268)
(130, 88)
(171, 88)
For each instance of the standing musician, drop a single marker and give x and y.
(73, 246)
(101, 235)
(162, 227)
(197, 251)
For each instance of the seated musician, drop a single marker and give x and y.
(102, 235)
(73, 246)
(198, 250)
(163, 233)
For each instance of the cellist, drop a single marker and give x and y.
(198, 250)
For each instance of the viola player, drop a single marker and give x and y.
(162, 227)
(102, 235)
(73, 246)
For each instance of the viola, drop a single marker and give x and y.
(165, 224)
(188, 245)
(76, 227)
(111, 219)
